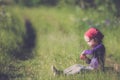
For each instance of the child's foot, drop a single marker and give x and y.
(55, 71)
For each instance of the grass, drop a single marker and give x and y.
(59, 41)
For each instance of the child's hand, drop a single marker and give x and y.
(83, 56)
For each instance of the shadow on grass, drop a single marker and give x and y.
(4, 76)
(26, 51)
(13, 71)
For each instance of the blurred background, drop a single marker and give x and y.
(36, 34)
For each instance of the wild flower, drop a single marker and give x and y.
(107, 22)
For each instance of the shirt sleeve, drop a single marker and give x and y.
(88, 52)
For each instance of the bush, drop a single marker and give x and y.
(11, 32)
(28, 3)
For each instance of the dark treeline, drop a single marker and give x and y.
(111, 5)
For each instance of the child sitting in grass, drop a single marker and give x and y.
(93, 38)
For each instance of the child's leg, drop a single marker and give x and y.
(87, 69)
(73, 69)
(56, 71)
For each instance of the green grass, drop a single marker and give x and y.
(59, 42)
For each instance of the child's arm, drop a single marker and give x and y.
(88, 52)
(84, 57)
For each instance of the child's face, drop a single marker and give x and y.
(91, 42)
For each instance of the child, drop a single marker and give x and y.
(94, 38)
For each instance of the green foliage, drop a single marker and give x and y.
(11, 32)
(30, 2)
(111, 5)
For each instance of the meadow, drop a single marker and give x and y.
(55, 37)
